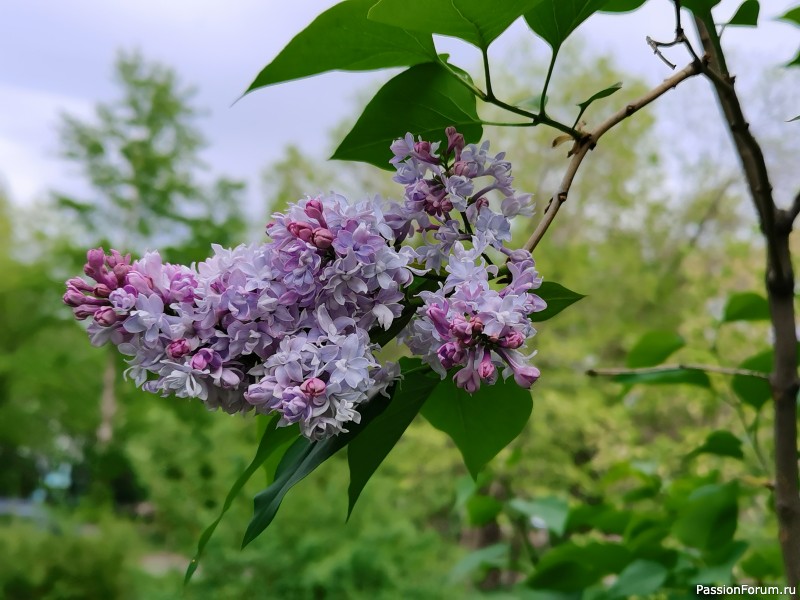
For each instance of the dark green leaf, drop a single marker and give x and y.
(708, 517)
(746, 306)
(366, 452)
(666, 377)
(438, 101)
(342, 38)
(721, 443)
(555, 20)
(764, 563)
(475, 21)
(792, 15)
(747, 15)
(300, 460)
(700, 7)
(719, 564)
(481, 424)
(797, 118)
(482, 509)
(557, 297)
(640, 578)
(752, 390)
(602, 517)
(601, 94)
(573, 568)
(616, 6)
(553, 511)
(654, 348)
(273, 438)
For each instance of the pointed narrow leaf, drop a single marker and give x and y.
(618, 6)
(555, 20)
(342, 38)
(366, 452)
(601, 94)
(746, 306)
(747, 14)
(475, 21)
(423, 100)
(273, 439)
(797, 118)
(300, 460)
(654, 348)
(481, 424)
(557, 297)
(666, 377)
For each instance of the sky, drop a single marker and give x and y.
(57, 57)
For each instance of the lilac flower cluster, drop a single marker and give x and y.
(284, 327)
(467, 323)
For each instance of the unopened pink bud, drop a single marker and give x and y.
(95, 258)
(477, 324)
(423, 152)
(73, 297)
(455, 141)
(178, 348)
(322, 238)
(101, 290)
(84, 311)
(79, 284)
(513, 340)
(313, 387)
(300, 230)
(105, 316)
(314, 210)
(486, 369)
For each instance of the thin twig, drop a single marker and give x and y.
(589, 141)
(678, 367)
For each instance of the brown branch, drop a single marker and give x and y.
(775, 227)
(677, 367)
(589, 141)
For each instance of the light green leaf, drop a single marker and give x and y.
(342, 38)
(367, 451)
(708, 518)
(555, 20)
(482, 509)
(553, 511)
(720, 563)
(746, 306)
(495, 555)
(612, 89)
(438, 101)
(617, 6)
(640, 578)
(557, 297)
(570, 567)
(747, 14)
(654, 348)
(273, 439)
(721, 443)
(476, 21)
(481, 424)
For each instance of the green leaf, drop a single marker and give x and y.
(601, 94)
(752, 390)
(555, 20)
(366, 452)
(342, 38)
(700, 7)
(746, 306)
(747, 14)
(764, 562)
(792, 15)
(616, 6)
(302, 457)
(553, 511)
(708, 518)
(666, 377)
(719, 564)
(640, 578)
(557, 297)
(797, 118)
(721, 443)
(481, 424)
(653, 348)
(495, 555)
(438, 101)
(273, 438)
(475, 21)
(482, 509)
(572, 568)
